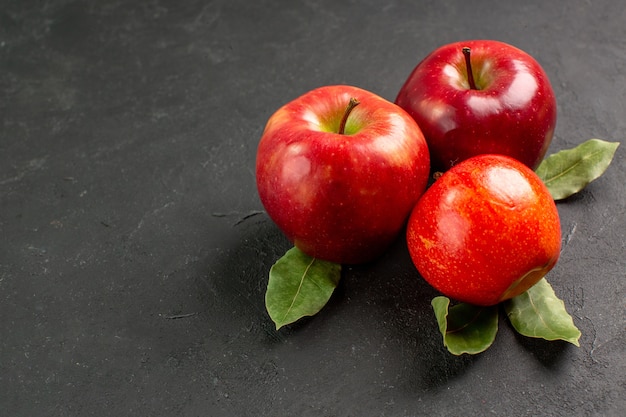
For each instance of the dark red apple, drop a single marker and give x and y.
(340, 179)
(485, 231)
(492, 98)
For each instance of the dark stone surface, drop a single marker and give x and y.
(133, 259)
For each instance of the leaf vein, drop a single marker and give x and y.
(545, 323)
(467, 323)
(573, 166)
(293, 301)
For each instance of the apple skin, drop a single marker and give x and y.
(512, 112)
(485, 231)
(341, 197)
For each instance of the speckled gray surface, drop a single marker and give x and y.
(134, 259)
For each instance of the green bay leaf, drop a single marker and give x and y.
(465, 328)
(299, 286)
(540, 313)
(567, 172)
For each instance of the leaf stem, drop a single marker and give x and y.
(468, 65)
(351, 105)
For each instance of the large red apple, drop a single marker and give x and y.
(492, 98)
(340, 179)
(485, 231)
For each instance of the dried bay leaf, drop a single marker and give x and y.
(465, 328)
(567, 172)
(540, 313)
(299, 286)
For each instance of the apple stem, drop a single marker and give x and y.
(351, 105)
(468, 64)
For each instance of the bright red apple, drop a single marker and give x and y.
(340, 179)
(480, 96)
(485, 231)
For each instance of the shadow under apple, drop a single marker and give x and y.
(379, 308)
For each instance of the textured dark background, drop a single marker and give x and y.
(134, 259)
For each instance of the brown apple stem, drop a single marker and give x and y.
(468, 64)
(351, 105)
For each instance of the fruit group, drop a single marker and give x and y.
(341, 193)
(501, 103)
(485, 231)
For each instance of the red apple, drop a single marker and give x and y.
(340, 179)
(496, 100)
(485, 231)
